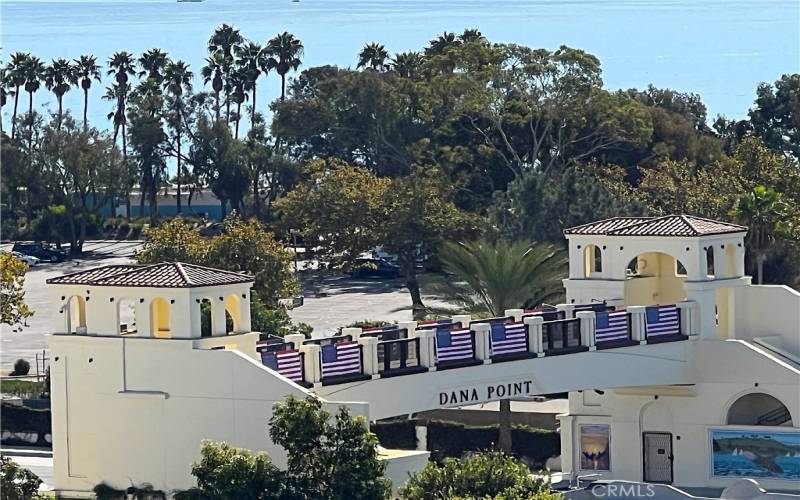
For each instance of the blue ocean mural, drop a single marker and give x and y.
(756, 454)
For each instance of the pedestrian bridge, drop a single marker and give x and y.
(411, 367)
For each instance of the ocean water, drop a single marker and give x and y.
(720, 49)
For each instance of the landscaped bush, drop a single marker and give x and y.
(396, 434)
(17, 483)
(25, 389)
(451, 439)
(21, 367)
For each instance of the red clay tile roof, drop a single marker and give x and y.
(605, 225)
(88, 276)
(164, 275)
(668, 225)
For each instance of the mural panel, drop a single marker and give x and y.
(767, 454)
(595, 451)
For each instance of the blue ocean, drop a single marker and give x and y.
(720, 49)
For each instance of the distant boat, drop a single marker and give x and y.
(192, 1)
(295, 1)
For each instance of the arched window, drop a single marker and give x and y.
(758, 408)
(710, 262)
(75, 314)
(160, 318)
(593, 260)
(206, 318)
(233, 313)
(126, 316)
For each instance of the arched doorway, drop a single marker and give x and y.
(206, 318)
(75, 314)
(654, 278)
(758, 408)
(233, 313)
(160, 319)
(126, 316)
(593, 261)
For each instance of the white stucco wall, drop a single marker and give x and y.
(723, 371)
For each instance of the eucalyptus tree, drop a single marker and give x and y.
(406, 64)
(59, 77)
(16, 79)
(122, 66)
(148, 142)
(177, 84)
(86, 70)
(251, 58)
(284, 52)
(373, 56)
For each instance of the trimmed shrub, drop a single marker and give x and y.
(21, 367)
(396, 434)
(17, 483)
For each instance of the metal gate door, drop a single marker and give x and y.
(657, 457)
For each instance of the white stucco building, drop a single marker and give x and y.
(679, 369)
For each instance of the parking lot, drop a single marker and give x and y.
(330, 301)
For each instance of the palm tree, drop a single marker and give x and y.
(59, 77)
(213, 72)
(122, 66)
(33, 72)
(441, 44)
(406, 64)
(16, 79)
(471, 35)
(153, 63)
(764, 212)
(239, 83)
(6, 89)
(224, 39)
(373, 56)
(177, 81)
(492, 277)
(86, 70)
(284, 53)
(251, 58)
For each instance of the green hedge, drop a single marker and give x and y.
(396, 434)
(451, 439)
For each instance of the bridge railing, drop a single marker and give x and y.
(399, 357)
(562, 336)
(403, 349)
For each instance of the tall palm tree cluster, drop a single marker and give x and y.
(375, 57)
(232, 70)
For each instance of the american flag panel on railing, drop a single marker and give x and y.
(509, 338)
(454, 345)
(662, 320)
(343, 358)
(288, 363)
(611, 326)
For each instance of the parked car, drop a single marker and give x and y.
(42, 251)
(28, 259)
(366, 267)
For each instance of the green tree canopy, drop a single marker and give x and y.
(13, 309)
(329, 457)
